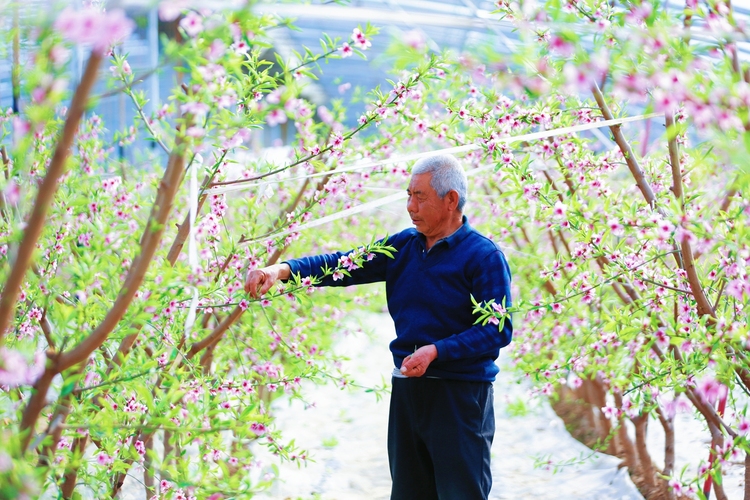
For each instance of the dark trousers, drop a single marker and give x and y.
(439, 437)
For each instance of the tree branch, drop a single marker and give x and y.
(625, 148)
(46, 194)
(149, 244)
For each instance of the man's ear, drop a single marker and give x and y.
(452, 199)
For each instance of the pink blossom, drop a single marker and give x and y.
(192, 23)
(610, 411)
(561, 46)
(559, 210)
(576, 80)
(12, 193)
(15, 370)
(21, 127)
(665, 228)
(140, 447)
(258, 428)
(243, 304)
(683, 235)
(346, 50)
(360, 40)
(415, 39)
(171, 9)
(240, 47)
(275, 117)
(195, 131)
(265, 303)
(216, 50)
(744, 427)
(337, 141)
(84, 239)
(616, 228)
(499, 309)
(89, 26)
(676, 485)
(710, 389)
(664, 101)
(162, 359)
(737, 288)
(198, 109)
(325, 115)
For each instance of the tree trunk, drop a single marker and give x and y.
(645, 463)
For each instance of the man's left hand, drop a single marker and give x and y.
(416, 364)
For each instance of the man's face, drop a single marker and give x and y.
(429, 214)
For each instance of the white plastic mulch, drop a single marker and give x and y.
(345, 433)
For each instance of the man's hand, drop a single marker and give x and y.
(259, 281)
(416, 364)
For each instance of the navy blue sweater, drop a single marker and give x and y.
(429, 297)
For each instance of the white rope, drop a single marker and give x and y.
(457, 149)
(400, 196)
(354, 210)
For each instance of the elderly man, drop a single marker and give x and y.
(441, 421)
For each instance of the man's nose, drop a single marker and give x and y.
(410, 205)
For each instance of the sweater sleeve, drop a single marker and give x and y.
(371, 271)
(490, 280)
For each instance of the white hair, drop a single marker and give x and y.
(447, 175)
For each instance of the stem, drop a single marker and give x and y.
(644, 458)
(46, 194)
(37, 401)
(674, 159)
(64, 407)
(151, 131)
(148, 475)
(183, 230)
(669, 449)
(119, 479)
(728, 197)
(5, 162)
(717, 440)
(688, 263)
(216, 333)
(598, 397)
(624, 441)
(348, 136)
(79, 445)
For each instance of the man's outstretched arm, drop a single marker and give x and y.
(259, 281)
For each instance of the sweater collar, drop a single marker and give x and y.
(453, 239)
